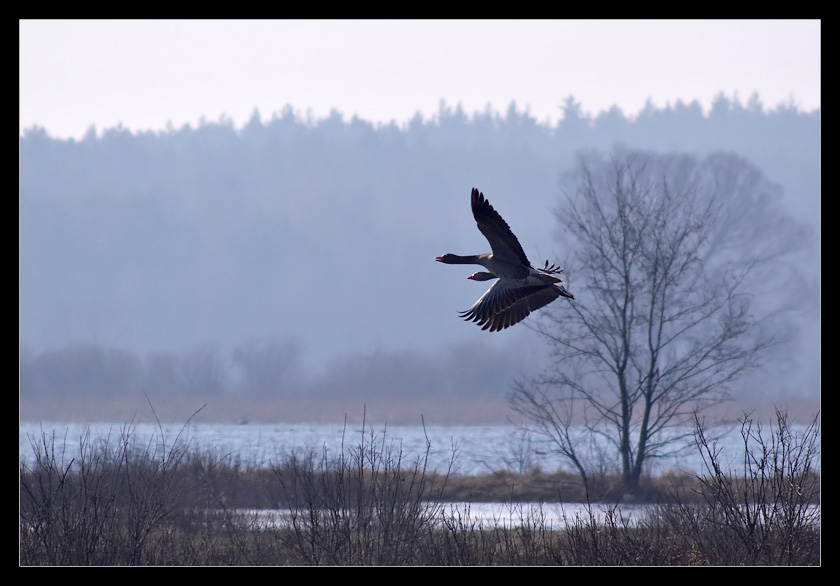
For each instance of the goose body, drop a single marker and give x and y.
(519, 288)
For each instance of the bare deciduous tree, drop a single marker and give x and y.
(663, 324)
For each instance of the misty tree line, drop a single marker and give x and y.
(120, 229)
(116, 161)
(212, 158)
(255, 366)
(261, 366)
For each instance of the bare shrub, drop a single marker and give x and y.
(102, 506)
(765, 513)
(362, 507)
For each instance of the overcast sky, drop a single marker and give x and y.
(75, 73)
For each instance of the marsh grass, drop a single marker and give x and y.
(168, 503)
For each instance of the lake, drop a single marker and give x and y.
(470, 449)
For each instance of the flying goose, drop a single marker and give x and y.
(520, 289)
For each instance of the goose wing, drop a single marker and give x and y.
(502, 241)
(522, 308)
(507, 303)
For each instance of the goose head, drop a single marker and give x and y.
(482, 276)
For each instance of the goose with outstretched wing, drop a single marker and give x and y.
(519, 288)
